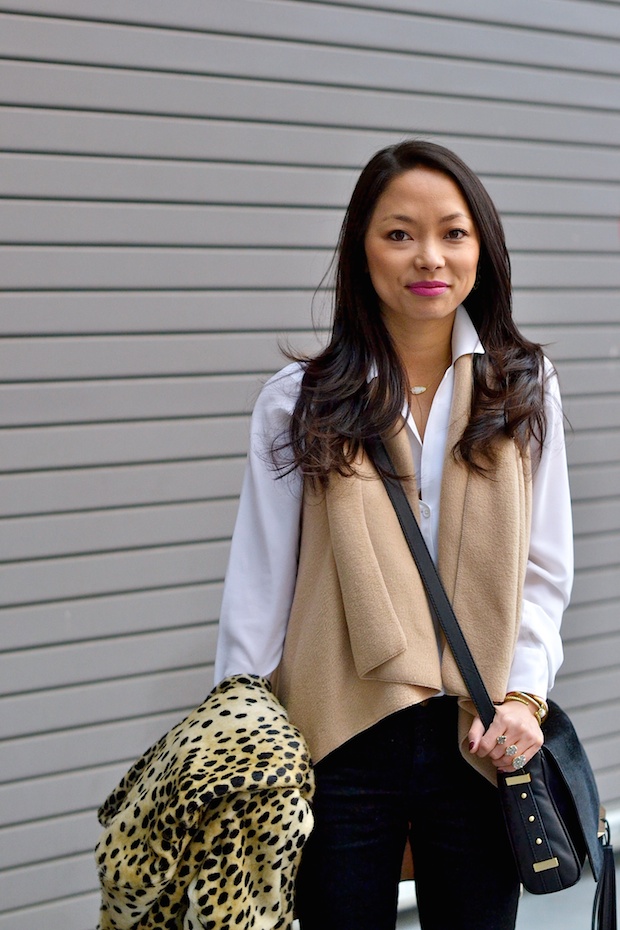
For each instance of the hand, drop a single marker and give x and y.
(518, 724)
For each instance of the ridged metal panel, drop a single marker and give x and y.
(173, 177)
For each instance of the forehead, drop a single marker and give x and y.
(419, 191)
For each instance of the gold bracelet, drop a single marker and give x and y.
(515, 697)
(541, 706)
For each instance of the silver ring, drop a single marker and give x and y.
(500, 740)
(511, 751)
(518, 762)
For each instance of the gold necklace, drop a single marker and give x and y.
(417, 389)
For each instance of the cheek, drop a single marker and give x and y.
(379, 267)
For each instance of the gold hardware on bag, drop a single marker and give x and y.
(519, 779)
(546, 864)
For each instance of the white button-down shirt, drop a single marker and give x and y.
(262, 570)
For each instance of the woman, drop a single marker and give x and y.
(322, 592)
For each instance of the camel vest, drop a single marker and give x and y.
(361, 642)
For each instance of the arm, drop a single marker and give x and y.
(546, 592)
(549, 573)
(260, 580)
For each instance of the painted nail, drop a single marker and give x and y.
(471, 745)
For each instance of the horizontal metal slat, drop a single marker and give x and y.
(55, 267)
(592, 413)
(420, 70)
(53, 403)
(78, 912)
(598, 517)
(118, 657)
(596, 721)
(66, 793)
(89, 313)
(83, 747)
(592, 688)
(93, 488)
(600, 446)
(119, 90)
(31, 222)
(43, 882)
(122, 444)
(544, 14)
(170, 181)
(592, 585)
(160, 137)
(116, 530)
(558, 305)
(103, 702)
(175, 268)
(599, 550)
(592, 655)
(608, 783)
(88, 575)
(113, 615)
(579, 342)
(604, 753)
(88, 357)
(23, 843)
(33, 359)
(224, 354)
(594, 619)
(301, 20)
(592, 480)
(126, 399)
(592, 377)
(265, 25)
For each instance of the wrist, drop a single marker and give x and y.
(537, 705)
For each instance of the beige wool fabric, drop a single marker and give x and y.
(361, 643)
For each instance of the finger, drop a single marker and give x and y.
(476, 732)
(516, 761)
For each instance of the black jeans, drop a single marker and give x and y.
(405, 776)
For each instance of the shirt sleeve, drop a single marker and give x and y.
(549, 573)
(262, 568)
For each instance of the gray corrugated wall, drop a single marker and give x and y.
(173, 178)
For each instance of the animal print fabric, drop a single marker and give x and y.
(206, 829)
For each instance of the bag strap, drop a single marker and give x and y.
(435, 591)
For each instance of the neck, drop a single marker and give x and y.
(426, 351)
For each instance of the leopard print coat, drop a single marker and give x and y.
(206, 829)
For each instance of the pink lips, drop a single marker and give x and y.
(428, 288)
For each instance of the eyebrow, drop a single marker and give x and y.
(403, 218)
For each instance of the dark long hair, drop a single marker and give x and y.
(340, 411)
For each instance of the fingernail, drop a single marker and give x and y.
(471, 745)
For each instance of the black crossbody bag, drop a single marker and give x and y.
(551, 805)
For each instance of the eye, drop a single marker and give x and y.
(457, 234)
(399, 235)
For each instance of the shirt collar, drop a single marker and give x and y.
(465, 339)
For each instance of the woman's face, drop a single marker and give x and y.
(422, 248)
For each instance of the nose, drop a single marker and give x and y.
(429, 255)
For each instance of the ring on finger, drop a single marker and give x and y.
(518, 762)
(500, 740)
(511, 750)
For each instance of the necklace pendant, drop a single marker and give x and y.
(418, 389)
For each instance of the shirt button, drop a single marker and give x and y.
(425, 510)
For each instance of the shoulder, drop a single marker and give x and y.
(550, 381)
(279, 394)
